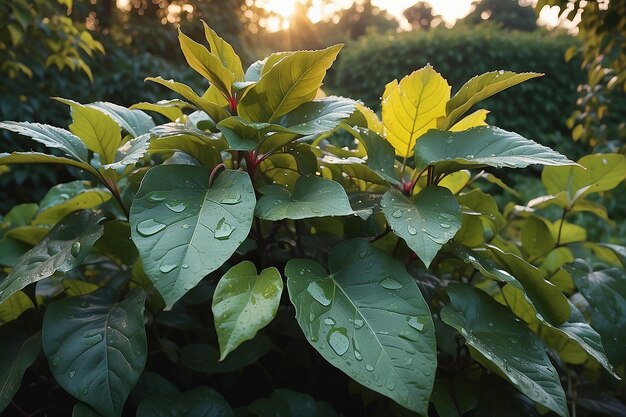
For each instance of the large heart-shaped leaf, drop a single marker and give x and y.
(200, 402)
(479, 88)
(287, 403)
(292, 81)
(312, 197)
(63, 249)
(185, 229)
(369, 319)
(426, 223)
(96, 129)
(244, 303)
(51, 136)
(18, 351)
(505, 344)
(481, 146)
(97, 349)
(413, 106)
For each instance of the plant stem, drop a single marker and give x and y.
(115, 191)
(558, 237)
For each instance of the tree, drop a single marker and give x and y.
(361, 16)
(421, 16)
(602, 31)
(507, 13)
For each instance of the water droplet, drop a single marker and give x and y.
(391, 384)
(176, 206)
(149, 227)
(85, 391)
(223, 230)
(55, 361)
(329, 321)
(75, 250)
(470, 156)
(450, 140)
(318, 293)
(186, 226)
(84, 304)
(369, 367)
(604, 161)
(363, 253)
(412, 231)
(302, 272)
(338, 340)
(397, 214)
(184, 266)
(414, 323)
(390, 284)
(72, 373)
(165, 267)
(156, 196)
(501, 72)
(358, 355)
(236, 199)
(358, 323)
(445, 225)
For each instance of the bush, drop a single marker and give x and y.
(165, 283)
(538, 109)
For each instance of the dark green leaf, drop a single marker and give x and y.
(312, 197)
(185, 230)
(318, 116)
(479, 147)
(42, 158)
(18, 351)
(63, 249)
(369, 319)
(505, 344)
(426, 223)
(97, 349)
(287, 403)
(205, 358)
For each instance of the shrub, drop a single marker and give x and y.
(156, 284)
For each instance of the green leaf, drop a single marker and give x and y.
(66, 198)
(51, 136)
(505, 344)
(185, 230)
(83, 410)
(216, 112)
(426, 222)
(96, 129)
(11, 250)
(596, 173)
(312, 197)
(134, 121)
(537, 239)
(380, 154)
(63, 249)
(287, 403)
(292, 81)
(369, 319)
(172, 109)
(200, 402)
(318, 116)
(205, 358)
(479, 88)
(42, 158)
(479, 147)
(97, 349)
(18, 351)
(243, 135)
(244, 303)
(207, 64)
(130, 153)
(224, 51)
(606, 292)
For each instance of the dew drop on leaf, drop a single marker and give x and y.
(149, 227)
(397, 214)
(412, 231)
(317, 292)
(415, 324)
(55, 361)
(390, 284)
(231, 200)
(156, 196)
(176, 206)
(72, 373)
(223, 230)
(75, 250)
(358, 323)
(445, 225)
(369, 367)
(338, 340)
(165, 267)
(329, 321)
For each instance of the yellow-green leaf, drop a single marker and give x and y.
(411, 107)
(224, 51)
(206, 64)
(373, 122)
(478, 118)
(97, 130)
(292, 81)
(14, 306)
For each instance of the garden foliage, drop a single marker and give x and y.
(246, 209)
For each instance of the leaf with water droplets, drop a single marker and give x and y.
(97, 348)
(420, 224)
(244, 303)
(183, 229)
(18, 351)
(382, 338)
(525, 363)
(312, 197)
(64, 248)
